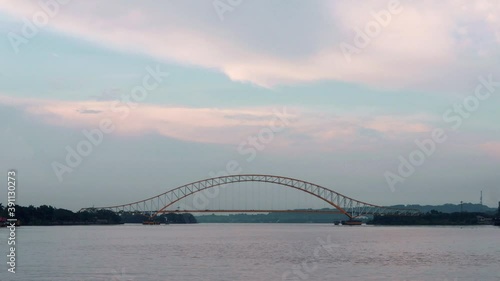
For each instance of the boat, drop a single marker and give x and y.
(151, 223)
(352, 222)
(4, 222)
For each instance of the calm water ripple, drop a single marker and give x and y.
(253, 252)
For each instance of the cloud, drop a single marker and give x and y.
(221, 125)
(427, 45)
(492, 148)
(89, 111)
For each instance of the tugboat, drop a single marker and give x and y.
(352, 222)
(3, 222)
(153, 222)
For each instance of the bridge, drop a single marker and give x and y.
(341, 204)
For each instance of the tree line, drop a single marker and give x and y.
(48, 215)
(433, 218)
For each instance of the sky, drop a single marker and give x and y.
(388, 102)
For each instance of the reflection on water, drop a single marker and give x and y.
(254, 252)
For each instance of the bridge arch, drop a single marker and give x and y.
(348, 206)
(215, 184)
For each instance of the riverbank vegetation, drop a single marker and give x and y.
(172, 218)
(436, 218)
(48, 215)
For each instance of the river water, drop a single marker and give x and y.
(253, 252)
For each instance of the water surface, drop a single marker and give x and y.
(253, 252)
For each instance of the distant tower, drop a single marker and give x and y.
(481, 198)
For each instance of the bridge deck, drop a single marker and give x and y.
(253, 211)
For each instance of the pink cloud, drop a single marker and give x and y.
(211, 125)
(389, 124)
(431, 42)
(492, 148)
(219, 125)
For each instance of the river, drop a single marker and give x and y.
(252, 252)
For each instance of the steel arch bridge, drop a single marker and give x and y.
(348, 206)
